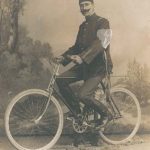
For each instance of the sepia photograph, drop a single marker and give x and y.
(74, 75)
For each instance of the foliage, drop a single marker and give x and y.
(24, 69)
(137, 80)
(21, 64)
(9, 13)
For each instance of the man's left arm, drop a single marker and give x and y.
(101, 43)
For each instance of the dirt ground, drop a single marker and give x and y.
(140, 142)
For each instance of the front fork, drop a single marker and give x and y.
(50, 90)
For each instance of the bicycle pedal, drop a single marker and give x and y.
(70, 118)
(86, 124)
(117, 117)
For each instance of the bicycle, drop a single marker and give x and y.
(36, 115)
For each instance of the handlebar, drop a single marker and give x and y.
(58, 60)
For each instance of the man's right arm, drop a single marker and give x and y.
(71, 51)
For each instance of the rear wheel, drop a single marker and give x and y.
(23, 129)
(122, 129)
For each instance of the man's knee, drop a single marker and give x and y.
(85, 97)
(86, 100)
(82, 95)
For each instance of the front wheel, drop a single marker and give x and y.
(122, 129)
(23, 127)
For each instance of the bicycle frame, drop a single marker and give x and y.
(106, 88)
(52, 91)
(21, 117)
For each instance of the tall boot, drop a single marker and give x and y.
(68, 95)
(98, 107)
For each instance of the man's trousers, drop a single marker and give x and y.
(86, 91)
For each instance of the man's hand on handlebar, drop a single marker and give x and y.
(75, 58)
(59, 59)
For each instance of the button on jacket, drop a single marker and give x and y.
(89, 47)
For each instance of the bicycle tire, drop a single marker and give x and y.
(15, 103)
(106, 136)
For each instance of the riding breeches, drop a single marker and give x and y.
(85, 94)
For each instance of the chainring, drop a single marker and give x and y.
(79, 127)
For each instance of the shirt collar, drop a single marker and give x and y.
(90, 18)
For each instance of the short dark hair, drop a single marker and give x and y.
(80, 1)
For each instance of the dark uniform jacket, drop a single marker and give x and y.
(89, 47)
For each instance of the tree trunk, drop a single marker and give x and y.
(14, 12)
(1, 18)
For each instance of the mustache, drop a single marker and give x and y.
(85, 10)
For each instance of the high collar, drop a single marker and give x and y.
(90, 18)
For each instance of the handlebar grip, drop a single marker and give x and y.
(58, 60)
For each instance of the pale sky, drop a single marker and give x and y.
(57, 22)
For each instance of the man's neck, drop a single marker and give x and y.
(90, 16)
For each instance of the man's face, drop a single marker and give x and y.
(87, 8)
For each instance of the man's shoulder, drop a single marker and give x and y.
(102, 22)
(97, 19)
(101, 19)
(83, 23)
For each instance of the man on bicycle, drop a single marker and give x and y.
(92, 43)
